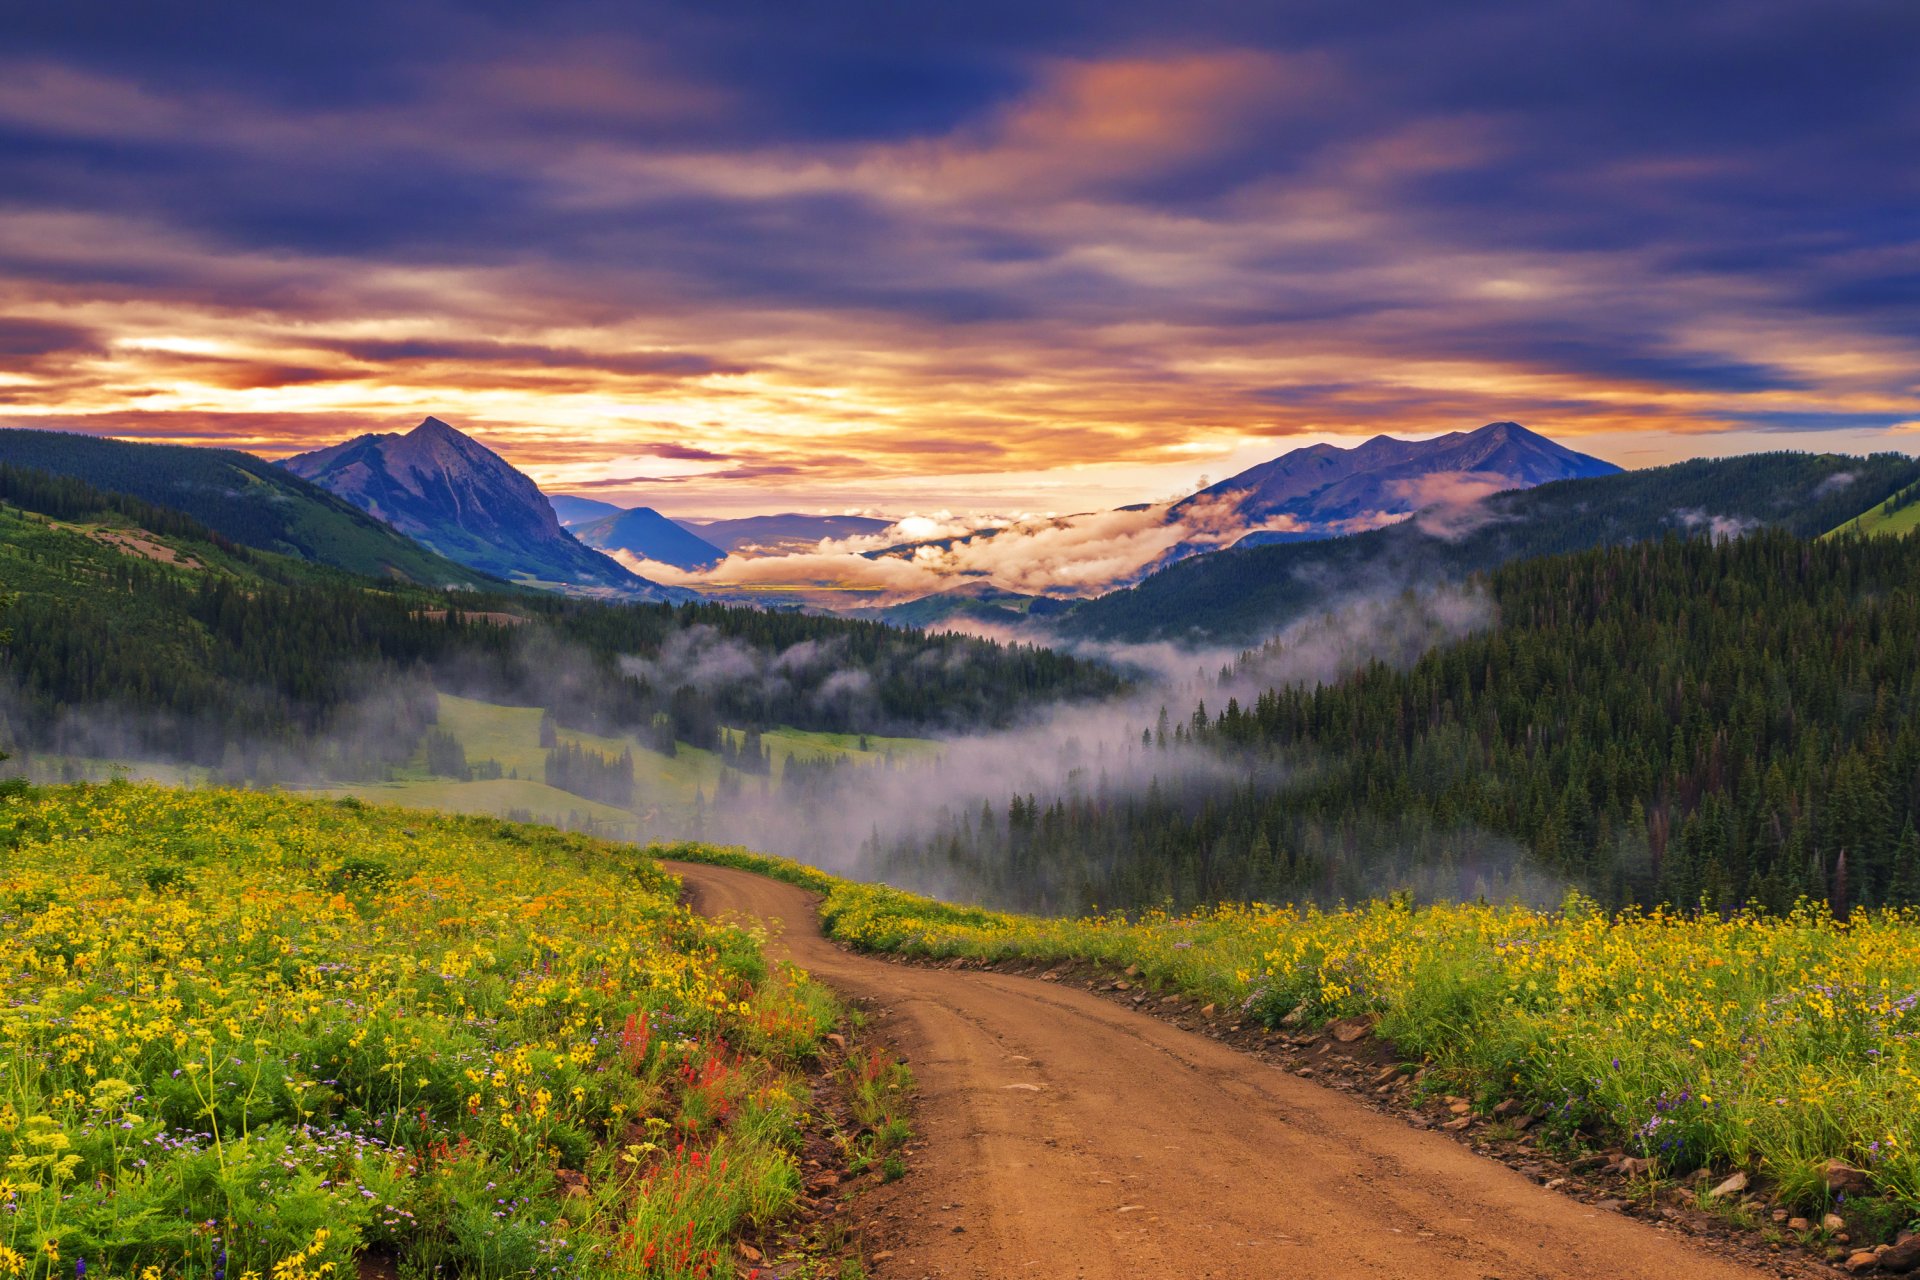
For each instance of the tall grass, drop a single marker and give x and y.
(1767, 1043)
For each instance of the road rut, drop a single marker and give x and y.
(1066, 1136)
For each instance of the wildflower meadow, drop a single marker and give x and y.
(246, 1036)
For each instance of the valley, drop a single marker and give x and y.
(868, 641)
(1530, 880)
(670, 792)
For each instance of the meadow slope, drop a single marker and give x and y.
(251, 1035)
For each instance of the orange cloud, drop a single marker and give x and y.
(993, 316)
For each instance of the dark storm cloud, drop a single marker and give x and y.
(25, 338)
(681, 364)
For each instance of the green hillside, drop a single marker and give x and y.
(243, 498)
(1898, 515)
(132, 643)
(139, 633)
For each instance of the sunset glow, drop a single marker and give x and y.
(856, 259)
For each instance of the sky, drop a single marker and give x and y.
(995, 257)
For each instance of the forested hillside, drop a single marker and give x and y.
(1674, 721)
(240, 497)
(140, 632)
(1242, 595)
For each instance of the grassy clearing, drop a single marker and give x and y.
(250, 1035)
(1882, 521)
(1768, 1044)
(810, 745)
(511, 736)
(499, 797)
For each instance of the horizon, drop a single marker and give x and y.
(1063, 259)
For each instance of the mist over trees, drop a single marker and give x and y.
(202, 649)
(591, 774)
(1685, 721)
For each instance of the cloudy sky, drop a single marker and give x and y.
(1030, 255)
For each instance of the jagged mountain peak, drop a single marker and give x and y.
(1323, 489)
(445, 489)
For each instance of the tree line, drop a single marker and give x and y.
(1679, 721)
(232, 648)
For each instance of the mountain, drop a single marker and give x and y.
(573, 510)
(646, 533)
(782, 534)
(240, 497)
(1240, 595)
(451, 493)
(1323, 490)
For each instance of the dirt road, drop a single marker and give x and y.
(1069, 1137)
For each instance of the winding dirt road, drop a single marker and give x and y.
(1066, 1136)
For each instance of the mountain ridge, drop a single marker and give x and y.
(454, 495)
(1239, 595)
(1326, 490)
(241, 497)
(644, 532)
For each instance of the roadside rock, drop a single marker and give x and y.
(1903, 1257)
(1843, 1177)
(1731, 1187)
(1864, 1260)
(1347, 1030)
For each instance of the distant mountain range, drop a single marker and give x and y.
(1241, 595)
(436, 508)
(455, 496)
(244, 498)
(1310, 494)
(700, 544)
(1325, 491)
(645, 533)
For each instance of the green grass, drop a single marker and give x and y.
(878, 1086)
(1881, 522)
(511, 735)
(810, 745)
(273, 1036)
(528, 798)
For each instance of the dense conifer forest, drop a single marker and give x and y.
(137, 631)
(1680, 721)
